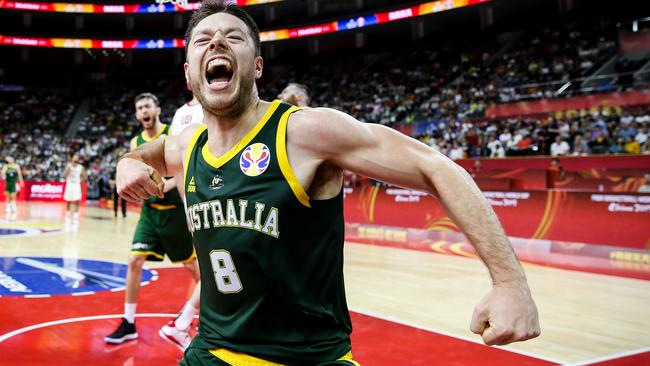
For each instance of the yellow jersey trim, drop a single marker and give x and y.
(137, 252)
(188, 260)
(160, 207)
(217, 162)
(190, 148)
(348, 357)
(242, 359)
(147, 138)
(283, 159)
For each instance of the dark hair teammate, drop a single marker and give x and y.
(161, 230)
(263, 187)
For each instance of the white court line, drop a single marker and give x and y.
(610, 357)
(82, 293)
(452, 335)
(16, 332)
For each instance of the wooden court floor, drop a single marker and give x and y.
(586, 318)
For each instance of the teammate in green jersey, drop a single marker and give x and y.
(13, 181)
(162, 230)
(263, 185)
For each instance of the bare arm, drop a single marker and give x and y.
(139, 171)
(66, 171)
(3, 172)
(387, 155)
(20, 175)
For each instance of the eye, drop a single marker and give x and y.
(236, 37)
(201, 41)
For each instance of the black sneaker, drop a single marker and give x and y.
(126, 331)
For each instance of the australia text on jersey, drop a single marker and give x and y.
(213, 216)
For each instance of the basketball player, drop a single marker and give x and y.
(13, 181)
(162, 229)
(188, 114)
(74, 174)
(263, 187)
(296, 94)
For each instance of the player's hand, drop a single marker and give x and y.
(506, 314)
(137, 181)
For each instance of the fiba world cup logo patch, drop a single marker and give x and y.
(255, 159)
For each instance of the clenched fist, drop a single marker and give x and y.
(506, 314)
(137, 181)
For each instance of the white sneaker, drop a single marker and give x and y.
(175, 336)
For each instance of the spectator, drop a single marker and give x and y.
(560, 147)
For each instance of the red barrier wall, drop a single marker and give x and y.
(42, 191)
(570, 163)
(610, 219)
(554, 105)
(621, 173)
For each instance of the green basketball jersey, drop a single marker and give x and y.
(11, 174)
(271, 260)
(171, 198)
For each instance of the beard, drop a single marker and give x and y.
(245, 94)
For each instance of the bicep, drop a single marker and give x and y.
(389, 156)
(374, 151)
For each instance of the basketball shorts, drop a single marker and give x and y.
(10, 188)
(200, 357)
(161, 232)
(72, 192)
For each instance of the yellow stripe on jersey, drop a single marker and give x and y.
(160, 207)
(137, 252)
(190, 148)
(242, 359)
(348, 357)
(147, 138)
(283, 159)
(188, 260)
(217, 162)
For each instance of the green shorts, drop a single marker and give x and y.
(161, 232)
(201, 357)
(10, 188)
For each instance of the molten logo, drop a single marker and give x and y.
(255, 159)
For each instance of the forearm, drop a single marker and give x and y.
(152, 153)
(169, 184)
(468, 208)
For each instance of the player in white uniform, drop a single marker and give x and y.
(74, 174)
(176, 331)
(188, 114)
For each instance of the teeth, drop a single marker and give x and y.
(218, 62)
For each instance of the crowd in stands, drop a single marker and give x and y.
(32, 127)
(443, 90)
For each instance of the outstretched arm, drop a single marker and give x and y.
(139, 171)
(508, 313)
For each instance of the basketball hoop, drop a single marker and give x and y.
(181, 3)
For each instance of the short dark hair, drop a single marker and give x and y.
(141, 96)
(210, 7)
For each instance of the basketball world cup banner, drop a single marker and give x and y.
(584, 217)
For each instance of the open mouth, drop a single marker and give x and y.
(146, 119)
(219, 73)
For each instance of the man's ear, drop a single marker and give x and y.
(259, 66)
(186, 69)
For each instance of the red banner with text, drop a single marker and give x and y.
(585, 217)
(42, 191)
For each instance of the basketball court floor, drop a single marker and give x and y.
(61, 292)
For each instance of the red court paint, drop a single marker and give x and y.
(376, 342)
